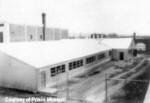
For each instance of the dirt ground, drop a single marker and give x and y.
(85, 88)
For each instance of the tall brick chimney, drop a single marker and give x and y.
(44, 25)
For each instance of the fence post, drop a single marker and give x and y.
(106, 88)
(67, 89)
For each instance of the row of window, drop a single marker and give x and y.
(101, 56)
(90, 59)
(57, 70)
(61, 69)
(75, 64)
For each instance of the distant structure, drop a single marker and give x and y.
(96, 36)
(10, 32)
(110, 35)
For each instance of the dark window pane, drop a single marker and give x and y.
(110, 53)
(70, 66)
(53, 71)
(74, 65)
(58, 69)
(101, 56)
(63, 68)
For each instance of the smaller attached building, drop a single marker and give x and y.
(122, 48)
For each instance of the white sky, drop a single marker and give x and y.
(87, 16)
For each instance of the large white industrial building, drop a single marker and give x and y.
(33, 66)
(10, 32)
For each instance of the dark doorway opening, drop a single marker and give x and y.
(121, 56)
(1, 36)
(134, 52)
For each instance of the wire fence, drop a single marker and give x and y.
(125, 90)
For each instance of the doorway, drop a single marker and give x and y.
(43, 79)
(1, 36)
(121, 56)
(134, 52)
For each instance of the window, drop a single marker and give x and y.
(90, 59)
(1, 25)
(75, 64)
(78, 63)
(63, 68)
(31, 37)
(93, 58)
(87, 60)
(41, 36)
(110, 53)
(70, 66)
(53, 71)
(81, 62)
(57, 70)
(101, 56)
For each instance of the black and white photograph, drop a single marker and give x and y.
(74, 51)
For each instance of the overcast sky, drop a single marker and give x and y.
(87, 16)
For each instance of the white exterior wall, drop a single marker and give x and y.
(51, 81)
(39, 33)
(57, 33)
(50, 34)
(64, 34)
(116, 54)
(31, 30)
(15, 74)
(16, 32)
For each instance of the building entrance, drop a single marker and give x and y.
(43, 79)
(1, 36)
(121, 56)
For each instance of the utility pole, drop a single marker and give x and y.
(44, 25)
(106, 88)
(67, 88)
(134, 36)
(133, 47)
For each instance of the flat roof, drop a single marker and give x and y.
(41, 54)
(117, 43)
(44, 53)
